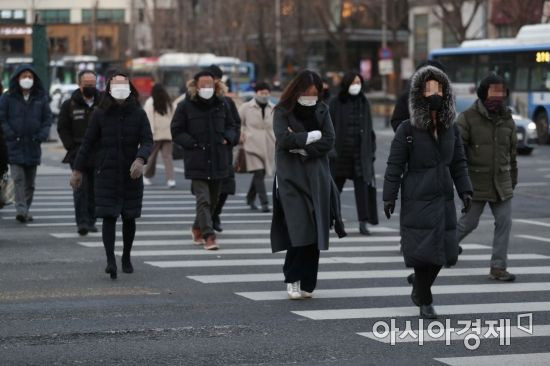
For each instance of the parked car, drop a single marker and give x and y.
(526, 129)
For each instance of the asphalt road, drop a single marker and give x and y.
(186, 306)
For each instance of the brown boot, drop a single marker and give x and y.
(501, 274)
(196, 234)
(211, 243)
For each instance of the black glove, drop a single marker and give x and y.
(467, 201)
(389, 206)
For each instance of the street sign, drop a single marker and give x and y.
(385, 67)
(385, 53)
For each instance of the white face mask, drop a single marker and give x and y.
(26, 83)
(354, 89)
(206, 93)
(307, 101)
(120, 91)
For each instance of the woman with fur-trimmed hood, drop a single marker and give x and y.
(426, 158)
(203, 125)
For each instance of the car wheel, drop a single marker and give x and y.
(541, 120)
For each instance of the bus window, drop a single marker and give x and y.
(522, 79)
(540, 77)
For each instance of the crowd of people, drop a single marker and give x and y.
(309, 143)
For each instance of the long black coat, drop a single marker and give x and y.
(229, 185)
(340, 112)
(425, 170)
(302, 205)
(72, 123)
(120, 133)
(201, 129)
(3, 154)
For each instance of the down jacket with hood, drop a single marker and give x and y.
(201, 127)
(424, 165)
(26, 124)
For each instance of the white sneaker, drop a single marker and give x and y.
(293, 290)
(147, 182)
(307, 295)
(171, 183)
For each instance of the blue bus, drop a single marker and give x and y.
(524, 61)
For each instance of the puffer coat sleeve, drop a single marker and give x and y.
(459, 166)
(397, 161)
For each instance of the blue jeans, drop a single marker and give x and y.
(84, 203)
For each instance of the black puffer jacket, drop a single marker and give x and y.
(121, 133)
(74, 117)
(201, 127)
(425, 169)
(3, 154)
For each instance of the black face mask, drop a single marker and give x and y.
(89, 91)
(435, 102)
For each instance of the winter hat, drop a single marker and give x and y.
(486, 82)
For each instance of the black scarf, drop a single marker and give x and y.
(306, 115)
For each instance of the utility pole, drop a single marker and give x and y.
(384, 42)
(94, 27)
(278, 40)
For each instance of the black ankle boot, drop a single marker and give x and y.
(127, 264)
(363, 228)
(217, 224)
(427, 312)
(111, 266)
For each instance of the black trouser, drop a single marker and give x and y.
(84, 205)
(361, 195)
(206, 193)
(302, 264)
(257, 186)
(424, 278)
(109, 236)
(219, 207)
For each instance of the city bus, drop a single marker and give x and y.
(238, 75)
(524, 61)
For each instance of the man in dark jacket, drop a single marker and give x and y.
(228, 185)
(26, 118)
(203, 126)
(490, 141)
(401, 110)
(3, 155)
(74, 116)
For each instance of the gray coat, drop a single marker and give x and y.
(302, 206)
(425, 168)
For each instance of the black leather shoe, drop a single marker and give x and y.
(111, 270)
(217, 224)
(265, 208)
(410, 279)
(82, 231)
(427, 312)
(459, 250)
(21, 218)
(127, 266)
(363, 228)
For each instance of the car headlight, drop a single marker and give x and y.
(531, 126)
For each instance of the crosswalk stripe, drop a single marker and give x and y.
(142, 223)
(246, 232)
(412, 311)
(350, 275)
(325, 260)
(184, 252)
(532, 222)
(152, 216)
(532, 237)
(266, 241)
(527, 359)
(403, 291)
(514, 332)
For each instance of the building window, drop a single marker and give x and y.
(420, 37)
(103, 15)
(12, 45)
(13, 16)
(59, 45)
(51, 16)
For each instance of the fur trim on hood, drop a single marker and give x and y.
(418, 106)
(220, 89)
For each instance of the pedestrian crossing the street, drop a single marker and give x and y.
(361, 278)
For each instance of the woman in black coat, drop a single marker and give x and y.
(301, 199)
(426, 158)
(120, 134)
(355, 144)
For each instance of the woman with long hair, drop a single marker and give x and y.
(159, 111)
(304, 135)
(355, 144)
(120, 134)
